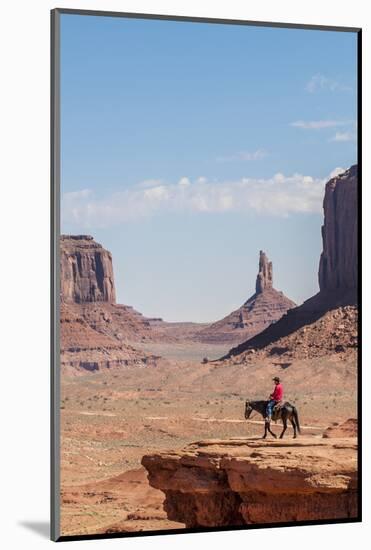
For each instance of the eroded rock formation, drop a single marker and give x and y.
(95, 331)
(264, 279)
(309, 334)
(84, 349)
(262, 309)
(248, 481)
(86, 271)
(338, 268)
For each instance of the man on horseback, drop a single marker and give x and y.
(275, 397)
(286, 411)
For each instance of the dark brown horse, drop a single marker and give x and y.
(285, 412)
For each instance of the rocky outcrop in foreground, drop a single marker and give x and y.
(262, 309)
(86, 271)
(248, 481)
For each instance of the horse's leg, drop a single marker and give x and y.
(270, 431)
(284, 421)
(265, 429)
(294, 426)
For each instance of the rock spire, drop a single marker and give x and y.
(264, 279)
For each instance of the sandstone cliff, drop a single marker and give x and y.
(337, 270)
(246, 481)
(94, 330)
(86, 271)
(262, 309)
(85, 349)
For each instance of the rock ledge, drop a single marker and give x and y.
(247, 481)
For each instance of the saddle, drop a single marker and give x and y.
(276, 409)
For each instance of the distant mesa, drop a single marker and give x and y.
(95, 331)
(337, 275)
(262, 309)
(86, 271)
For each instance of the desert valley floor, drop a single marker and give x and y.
(109, 420)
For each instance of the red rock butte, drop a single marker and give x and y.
(338, 268)
(262, 309)
(94, 330)
(86, 271)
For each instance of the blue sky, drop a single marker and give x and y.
(187, 148)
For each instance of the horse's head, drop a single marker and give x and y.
(248, 409)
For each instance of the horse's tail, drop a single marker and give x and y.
(296, 416)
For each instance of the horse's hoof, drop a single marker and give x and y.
(264, 437)
(281, 436)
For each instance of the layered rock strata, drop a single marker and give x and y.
(338, 268)
(84, 349)
(248, 481)
(86, 271)
(88, 291)
(94, 330)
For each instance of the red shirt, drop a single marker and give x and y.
(277, 394)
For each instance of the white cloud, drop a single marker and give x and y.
(76, 195)
(320, 82)
(279, 195)
(244, 156)
(343, 136)
(149, 183)
(158, 193)
(319, 124)
(184, 182)
(201, 179)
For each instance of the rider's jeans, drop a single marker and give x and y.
(270, 406)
